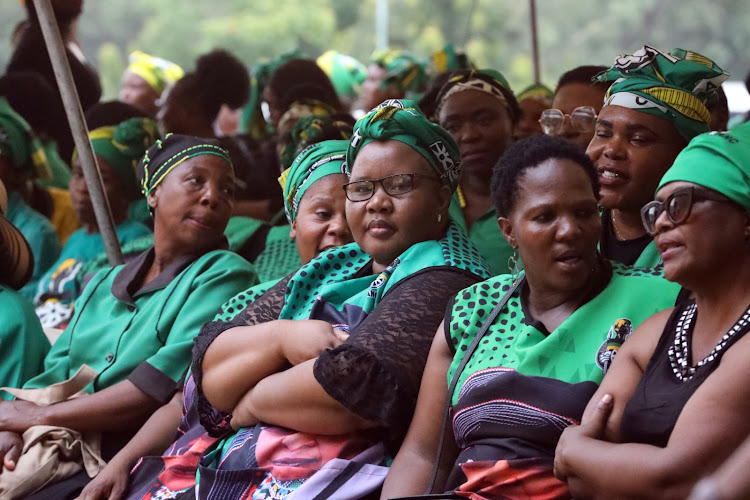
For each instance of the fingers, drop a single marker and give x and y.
(11, 446)
(597, 423)
(12, 456)
(340, 335)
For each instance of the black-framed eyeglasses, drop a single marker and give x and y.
(394, 185)
(582, 119)
(678, 206)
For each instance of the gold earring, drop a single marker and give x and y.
(513, 266)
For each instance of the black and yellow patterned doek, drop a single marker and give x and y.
(674, 86)
(168, 153)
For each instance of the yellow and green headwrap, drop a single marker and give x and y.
(312, 164)
(403, 69)
(123, 146)
(538, 92)
(718, 161)
(158, 73)
(346, 73)
(673, 86)
(168, 153)
(401, 120)
(19, 144)
(447, 59)
(309, 130)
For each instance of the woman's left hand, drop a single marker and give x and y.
(18, 416)
(591, 428)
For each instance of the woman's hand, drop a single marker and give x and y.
(18, 416)
(109, 484)
(591, 428)
(305, 340)
(11, 445)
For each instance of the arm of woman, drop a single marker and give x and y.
(410, 471)
(711, 425)
(153, 438)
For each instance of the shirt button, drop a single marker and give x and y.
(110, 357)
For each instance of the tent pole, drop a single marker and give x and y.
(534, 41)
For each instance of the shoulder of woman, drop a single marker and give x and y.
(642, 343)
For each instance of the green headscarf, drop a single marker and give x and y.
(345, 72)
(447, 59)
(401, 120)
(123, 146)
(718, 161)
(312, 164)
(157, 72)
(673, 86)
(309, 130)
(537, 91)
(19, 144)
(403, 69)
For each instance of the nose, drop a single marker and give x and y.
(469, 132)
(614, 149)
(211, 194)
(380, 201)
(663, 223)
(338, 229)
(568, 228)
(298, 440)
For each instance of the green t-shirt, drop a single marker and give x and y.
(145, 337)
(22, 341)
(486, 236)
(580, 349)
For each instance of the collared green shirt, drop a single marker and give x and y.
(41, 235)
(486, 236)
(22, 341)
(144, 335)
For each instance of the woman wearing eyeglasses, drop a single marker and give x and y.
(578, 98)
(653, 109)
(675, 404)
(353, 368)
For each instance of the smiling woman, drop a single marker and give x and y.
(546, 350)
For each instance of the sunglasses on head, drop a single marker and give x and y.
(677, 205)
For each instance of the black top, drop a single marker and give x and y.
(623, 251)
(667, 385)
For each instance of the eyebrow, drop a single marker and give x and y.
(630, 128)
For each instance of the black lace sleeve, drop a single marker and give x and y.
(376, 373)
(265, 308)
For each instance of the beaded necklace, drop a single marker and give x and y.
(679, 351)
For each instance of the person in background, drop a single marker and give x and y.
(118, 149)
(22, 340)
(392, 74)
(653, 109)
(134, 324)
(718, 106)
(145, 80)
(675, 404)
(578, 99)
(192, 104)
(22, 159)
(479, 111)
(533, 101)
(347, 75)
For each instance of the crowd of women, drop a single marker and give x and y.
(467, 292)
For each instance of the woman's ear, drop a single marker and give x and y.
(153, 198)
(506, 227)
(293, 230)
(444, 198)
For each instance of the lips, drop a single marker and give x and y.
(202, 222)
(609, 176)
(380, 228)
(474, 155)
(667, 247)
(294, 462)
(569, 260)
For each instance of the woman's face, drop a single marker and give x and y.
(385, 226)
(480, 125)
(528, 124)
(372, 93)
(193, 203)
(81, 199)
(289, 454)
(274, 110)
(572, 96)
(632, 151)
(321, 218)
(137, 92)
(713, 235)
(555, 225)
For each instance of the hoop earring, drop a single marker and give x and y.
(513, 266)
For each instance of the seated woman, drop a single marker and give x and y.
(22, 339)
(543, 354)
(314, 203)
(145, 80)
(675, 404)
(118, 150)
(386, 290)
(479, 111)
(652, 110)
(134, 324)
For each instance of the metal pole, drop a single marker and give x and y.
(381, 24)
(73, 110)
(534, 41)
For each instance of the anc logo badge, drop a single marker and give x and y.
(618, 334)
